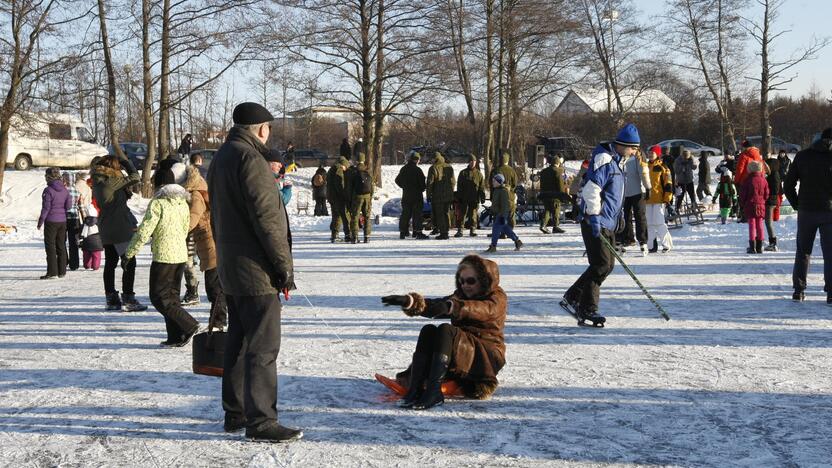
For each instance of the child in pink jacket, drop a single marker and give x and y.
(753, 199)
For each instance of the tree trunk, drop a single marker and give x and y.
(489, 88)
(378, 136)
(164, 85)
(366, 84)
(147, 101)
(765, 127)
(112, 127)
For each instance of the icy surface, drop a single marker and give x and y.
(740, 376)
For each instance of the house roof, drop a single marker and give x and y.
(647, 100)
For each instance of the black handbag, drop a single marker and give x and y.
(208, 350)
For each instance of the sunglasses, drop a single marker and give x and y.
(471, 280)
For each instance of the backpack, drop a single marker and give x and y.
(318, 180)
(363, 183)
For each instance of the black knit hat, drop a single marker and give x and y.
(274, 156)
(251, 113)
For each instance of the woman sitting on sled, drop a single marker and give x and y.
(470, 350)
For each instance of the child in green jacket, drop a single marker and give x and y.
(166, 221)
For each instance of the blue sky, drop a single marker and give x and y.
(804, 18)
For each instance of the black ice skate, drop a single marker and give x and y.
(582, 317)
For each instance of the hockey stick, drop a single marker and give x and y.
(661, 310)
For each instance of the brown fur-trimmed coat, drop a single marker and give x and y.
(200, 225)
(479, 348)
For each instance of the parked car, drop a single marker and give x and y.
(47, 139)
(777, 144)
(310, 157)
(697, 149)
(135, 152)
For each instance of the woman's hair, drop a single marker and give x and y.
(110, 161)
(482, 276)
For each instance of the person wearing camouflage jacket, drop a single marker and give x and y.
(551, 193)
(360, 186)
(338, 199)
(470, 192)
(440, 193)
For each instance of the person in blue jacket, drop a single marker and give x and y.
(278, 166)
(600, 208)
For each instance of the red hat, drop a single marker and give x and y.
(656, 149)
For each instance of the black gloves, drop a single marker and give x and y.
(395, 300)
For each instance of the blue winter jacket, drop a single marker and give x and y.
(602, 194)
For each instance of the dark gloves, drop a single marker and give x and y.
(482, 198)
(401, 301)
(646, 196)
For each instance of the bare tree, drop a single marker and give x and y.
(27, 58)
(111, 80)
(707, 31)
(775, 73)
(616, 36)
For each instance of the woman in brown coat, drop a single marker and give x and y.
(471, 349)
(206, 250)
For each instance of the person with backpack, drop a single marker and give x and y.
(440, 192)
(338, 199)
(361, 190)
(411, 179)
(319, 191)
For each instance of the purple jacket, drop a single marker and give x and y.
(56, 201)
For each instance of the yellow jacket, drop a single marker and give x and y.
(661, 185)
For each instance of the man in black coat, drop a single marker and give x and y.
(811, 168)
(704, 186)
(254, 259)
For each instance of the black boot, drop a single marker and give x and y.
(113, 301)
(130, 304)
(751, 248)
(758, 246)
(191, 296)
(772, 245)
(433, 387)
(418, 372)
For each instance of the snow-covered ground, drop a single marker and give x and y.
(740, 376)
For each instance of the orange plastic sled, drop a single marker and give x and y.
(7, 228)
(450, 388)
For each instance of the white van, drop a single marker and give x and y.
(47, 140)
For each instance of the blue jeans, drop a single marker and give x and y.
(501, 227)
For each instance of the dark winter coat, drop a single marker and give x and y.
(754, 194)
(335, 189)
(726, 192)
(56, 202)
(775, 187)
(551, 182)
(111, 190)
(470, 186)
(479, 348)
(668, 161)
(704, 170)
(683, 169)
(785, 162)
(507, 172)
(440, 183)
(729, 164)
(811, 167)
(319, 184)
(200, 219)
(411, 179)
(248, 219)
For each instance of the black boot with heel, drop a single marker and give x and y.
(433, 388)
